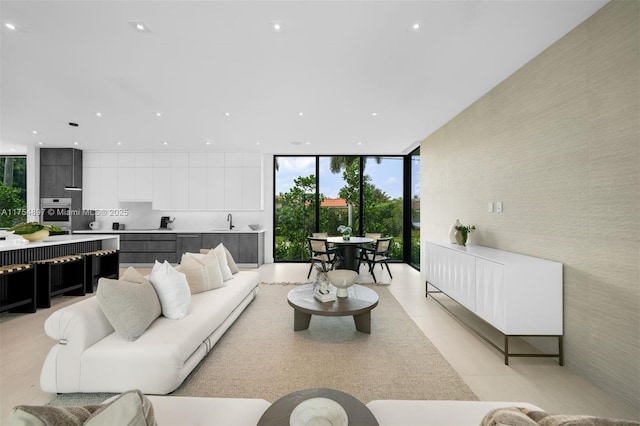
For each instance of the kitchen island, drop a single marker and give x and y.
(142, 247)
(56, 246)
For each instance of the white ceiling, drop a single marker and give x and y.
(337, 62)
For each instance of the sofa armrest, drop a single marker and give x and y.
(75, 327)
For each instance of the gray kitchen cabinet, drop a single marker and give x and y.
(245, 248)
(147, 247)
(191, 243)
(60, 167)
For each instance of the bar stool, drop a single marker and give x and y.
(100, 264)
(59, 275)
(17, 288)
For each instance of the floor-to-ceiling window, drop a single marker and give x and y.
(414, 186)
(13, 190)
(320, 193)
(295, 206)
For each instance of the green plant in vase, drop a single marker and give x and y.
(462, 233)
(345, 231)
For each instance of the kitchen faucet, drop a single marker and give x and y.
(230, 220)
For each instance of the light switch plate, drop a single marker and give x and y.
(490, 207)
(499, 207)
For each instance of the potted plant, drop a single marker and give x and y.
(462, 233)
(345, 231)
(33, 231)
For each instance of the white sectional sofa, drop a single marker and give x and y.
(90, 357)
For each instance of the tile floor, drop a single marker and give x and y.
(541, 381)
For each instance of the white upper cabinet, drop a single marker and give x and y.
(135, 176)
(174, 180)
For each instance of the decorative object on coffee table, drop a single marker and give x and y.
(281, 412)
(342, 279)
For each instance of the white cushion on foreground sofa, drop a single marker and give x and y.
(436, 413)
(193, 411)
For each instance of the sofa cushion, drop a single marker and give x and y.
(519, 416)
(130, 408)
(172, 288)
(202, 272)
(230, 262)
(221, 254)
(130, 303)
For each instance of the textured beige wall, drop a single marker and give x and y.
(558, 143)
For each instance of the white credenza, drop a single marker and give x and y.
(518, 295)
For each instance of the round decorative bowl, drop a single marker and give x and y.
(36, 236)
(342, 279)
(255, 227)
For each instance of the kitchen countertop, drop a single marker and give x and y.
(170, 231)
(62, 239)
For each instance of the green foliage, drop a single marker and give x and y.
(13, 207)
(31, 227)
(295, 219)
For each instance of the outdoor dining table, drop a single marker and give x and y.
(349, 250)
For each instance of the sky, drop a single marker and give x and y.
(386, 176)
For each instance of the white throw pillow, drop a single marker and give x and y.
(172, 288)
(222, 259)
(203, 273)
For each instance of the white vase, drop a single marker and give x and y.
(452, 232)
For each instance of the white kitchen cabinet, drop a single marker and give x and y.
(135, 183)
(179, 188)
(161, 188)
(233, 188)
(126, 177)
(100, 188)
(197, 188)
(215, 188)
(518, 295)
(251, 188)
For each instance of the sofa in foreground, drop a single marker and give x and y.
(90, 356)
(134, 408)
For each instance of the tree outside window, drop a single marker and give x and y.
(13, 192)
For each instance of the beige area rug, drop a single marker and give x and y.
(261, 356)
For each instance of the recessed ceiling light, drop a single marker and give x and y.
(98, 114)
(35, 132)
(307, 143)
(158, 114)
(257, 143)
(300, 114)
(119, 143)
(165, 143)
(40, 143)
(374, 114)
(10, 26)
(277, 27)
(227, 114)
(359, 143)
(75, 143)
(207, 143)
(139, 26)
(415, 26)
(12, 149)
